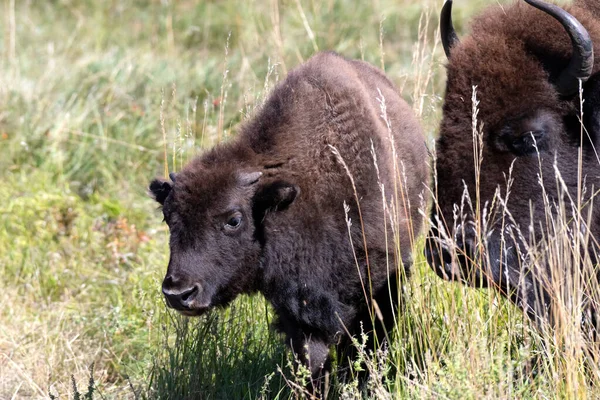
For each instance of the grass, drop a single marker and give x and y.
(90, 93)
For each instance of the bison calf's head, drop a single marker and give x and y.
(214, 217)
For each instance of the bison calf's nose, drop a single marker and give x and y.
(181, 299)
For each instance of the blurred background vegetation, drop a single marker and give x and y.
(91, 95)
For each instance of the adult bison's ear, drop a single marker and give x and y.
(274, 196)
(591, 108)
(160, 189)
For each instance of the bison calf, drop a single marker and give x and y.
(266, 211)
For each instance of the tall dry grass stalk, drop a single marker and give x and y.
(11, 31)
(222, 100)
(423, 62)
(276, 22)
(307, 28)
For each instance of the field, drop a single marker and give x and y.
(97, 98)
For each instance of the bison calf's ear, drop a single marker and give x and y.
(276, 196)
(160, 189)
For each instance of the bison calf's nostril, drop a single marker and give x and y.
(181, 299)
(189, 294)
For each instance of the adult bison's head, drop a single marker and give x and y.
(511, 120)
(215, 217)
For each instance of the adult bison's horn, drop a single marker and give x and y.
(582, 62)
(449, 36)
(173, 176)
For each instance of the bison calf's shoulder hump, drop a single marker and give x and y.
(293, 206)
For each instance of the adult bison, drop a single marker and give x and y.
(266, 212)
(528, 160)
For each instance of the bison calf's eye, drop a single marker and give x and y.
(233, 222)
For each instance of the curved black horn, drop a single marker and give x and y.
(449, 37)
(173, 176)
(582, 62)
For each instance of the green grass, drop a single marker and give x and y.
(83, 91)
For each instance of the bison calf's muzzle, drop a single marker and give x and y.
(185, 299)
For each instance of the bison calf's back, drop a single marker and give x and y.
(293, 207)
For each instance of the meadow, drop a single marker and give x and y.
(97, 98)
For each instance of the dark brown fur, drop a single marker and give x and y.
(293, 243)
(513, 56)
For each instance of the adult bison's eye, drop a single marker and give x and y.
(234, 221)
(528, 143)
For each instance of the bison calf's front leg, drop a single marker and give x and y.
(313, 353)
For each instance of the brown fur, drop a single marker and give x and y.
(593, 6)
(293, 244)
(513, 56)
